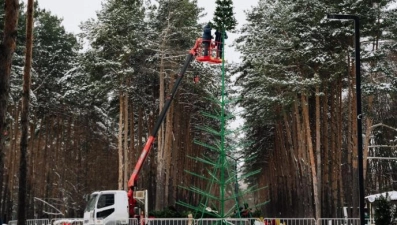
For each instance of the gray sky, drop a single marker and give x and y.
(74, 12)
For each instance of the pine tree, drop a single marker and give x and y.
(175, 28)
(116, 56)
(224, 16)
(23, 162)
(384, 210)
(55, 53)
(301, 54)
(7, 48)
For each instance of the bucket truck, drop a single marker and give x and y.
(113, 207)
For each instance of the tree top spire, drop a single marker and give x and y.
(224, 16)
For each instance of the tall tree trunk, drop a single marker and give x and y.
(348, 189)
(39, 159)
(59, 160)
(369, 117)
(32, 162)
(132, 139)
(176, 165)
(13, 152)
(301, 160)
(22, 191)
(140, 137)
(160, 141)
(368, 131)
(125, 134)
(7, 48)
(292, 162)
(120, 140)
(47, 159)
(5, 196)
(340, 198)
(318, 153)
(140, 129)
(355, 147)
(161, 133)
(326, 196)
(305, 112)
(333, 178)
(168, 146)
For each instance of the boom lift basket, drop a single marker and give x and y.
(211, 55)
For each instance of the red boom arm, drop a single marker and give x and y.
(149, 143)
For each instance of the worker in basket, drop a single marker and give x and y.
(219, 42)
(207, 37)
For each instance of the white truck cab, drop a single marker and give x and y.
(107, 208)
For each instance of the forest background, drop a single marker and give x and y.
(92, 110)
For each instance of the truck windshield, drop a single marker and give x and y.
(91, 203)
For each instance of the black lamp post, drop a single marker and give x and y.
(358, 100)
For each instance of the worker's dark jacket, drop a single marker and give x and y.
(218, 36)
(207, 32)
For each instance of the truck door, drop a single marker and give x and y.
(104, 209)
(90, 210)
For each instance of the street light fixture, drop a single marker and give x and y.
(358, 100)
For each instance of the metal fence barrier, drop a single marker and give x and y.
(67, 221)
(168, 221)
(227, 221)
(339, 221)
(133, 221)
(31, 222)
(205, 221)
(283, 221)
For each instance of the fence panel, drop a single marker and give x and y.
(191, 221)
(168, 221)
(226, 221)
(67, 221)
(339, 221)
(205, 221)
(133, 221)
(31, 222)
(283, 221)
(38, 222)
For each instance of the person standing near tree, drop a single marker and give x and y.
(219, 42)
(207, 37)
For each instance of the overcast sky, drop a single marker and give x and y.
(74, 12)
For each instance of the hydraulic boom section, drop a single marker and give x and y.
(116, 206)
(149, 143)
